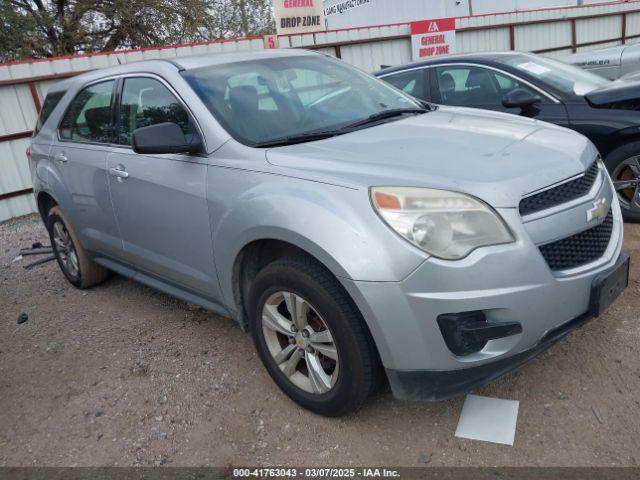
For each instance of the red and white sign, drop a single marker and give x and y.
(431, 38)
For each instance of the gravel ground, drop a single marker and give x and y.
(124, 375)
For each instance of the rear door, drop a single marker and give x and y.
(483, 87)
(160, 200)
(78, 156)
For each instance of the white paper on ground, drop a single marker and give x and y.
(488, 419)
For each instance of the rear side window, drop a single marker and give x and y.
(145, 102)
(89, 118)
(50, 102)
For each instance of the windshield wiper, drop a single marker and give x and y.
(321, 135)
(384, 114)
(301, 138)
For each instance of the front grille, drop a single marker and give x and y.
(560, 194)
(579, 249)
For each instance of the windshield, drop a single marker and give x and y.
(264, 100)
(566, 78)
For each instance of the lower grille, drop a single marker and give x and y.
(579, 249)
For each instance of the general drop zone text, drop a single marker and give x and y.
(294, 22)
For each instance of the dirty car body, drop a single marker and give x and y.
(456, 243)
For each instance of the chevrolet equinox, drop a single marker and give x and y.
(360, 236)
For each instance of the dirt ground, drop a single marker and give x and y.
(124, 375)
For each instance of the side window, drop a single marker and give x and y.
(507, 83)
(146, 101)
(475, 86)
(50, 102)
(411, 82)
(88, 118)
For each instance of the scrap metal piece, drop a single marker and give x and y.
(29, 266)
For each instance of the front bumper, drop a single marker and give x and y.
(430, 386)
(439, 385)
(508, 283)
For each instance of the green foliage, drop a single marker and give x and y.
(44, 28)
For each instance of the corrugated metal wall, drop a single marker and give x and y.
(554, 32)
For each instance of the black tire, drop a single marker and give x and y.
(88, 273)
(359, 372)
(612, 161)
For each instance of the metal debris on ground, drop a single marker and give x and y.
(36, 249)
(31, 265)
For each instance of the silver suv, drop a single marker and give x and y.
(360, 236)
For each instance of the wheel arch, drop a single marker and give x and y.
(257, 253)
(45, 203)
(619, 139)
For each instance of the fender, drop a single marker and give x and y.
(55, 187)
(627, 134)
(336, 225)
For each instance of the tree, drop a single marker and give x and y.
(44, 28)
(241, 18)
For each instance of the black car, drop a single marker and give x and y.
(607, 112)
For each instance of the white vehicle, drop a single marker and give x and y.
(611, 63)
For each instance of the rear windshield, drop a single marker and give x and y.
(50, 102)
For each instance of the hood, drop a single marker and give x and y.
(493, 156)
(623, 90)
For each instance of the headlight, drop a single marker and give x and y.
(444, 224)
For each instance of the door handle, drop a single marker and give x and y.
(119, 172)
(61, 158)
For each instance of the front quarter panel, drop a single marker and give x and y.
(335, 224)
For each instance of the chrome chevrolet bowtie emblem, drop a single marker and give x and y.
(598, 211)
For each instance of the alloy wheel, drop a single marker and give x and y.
(65, 249)
(300, 342)
(626, 181)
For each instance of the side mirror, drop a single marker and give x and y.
(519, 98)
(164, 138)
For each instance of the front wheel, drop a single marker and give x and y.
(624, 165)
(311, 338)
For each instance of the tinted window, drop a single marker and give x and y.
(50, 102)
(88, 118)
(476, 86)
(146, 101)
(411, 82)
(268, 99)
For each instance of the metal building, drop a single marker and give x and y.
(362, 13)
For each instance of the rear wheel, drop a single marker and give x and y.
(624, 165)
(311, 338)
(80, 270)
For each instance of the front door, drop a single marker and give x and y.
(481, 87)
(79, 159)
(160, 200)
